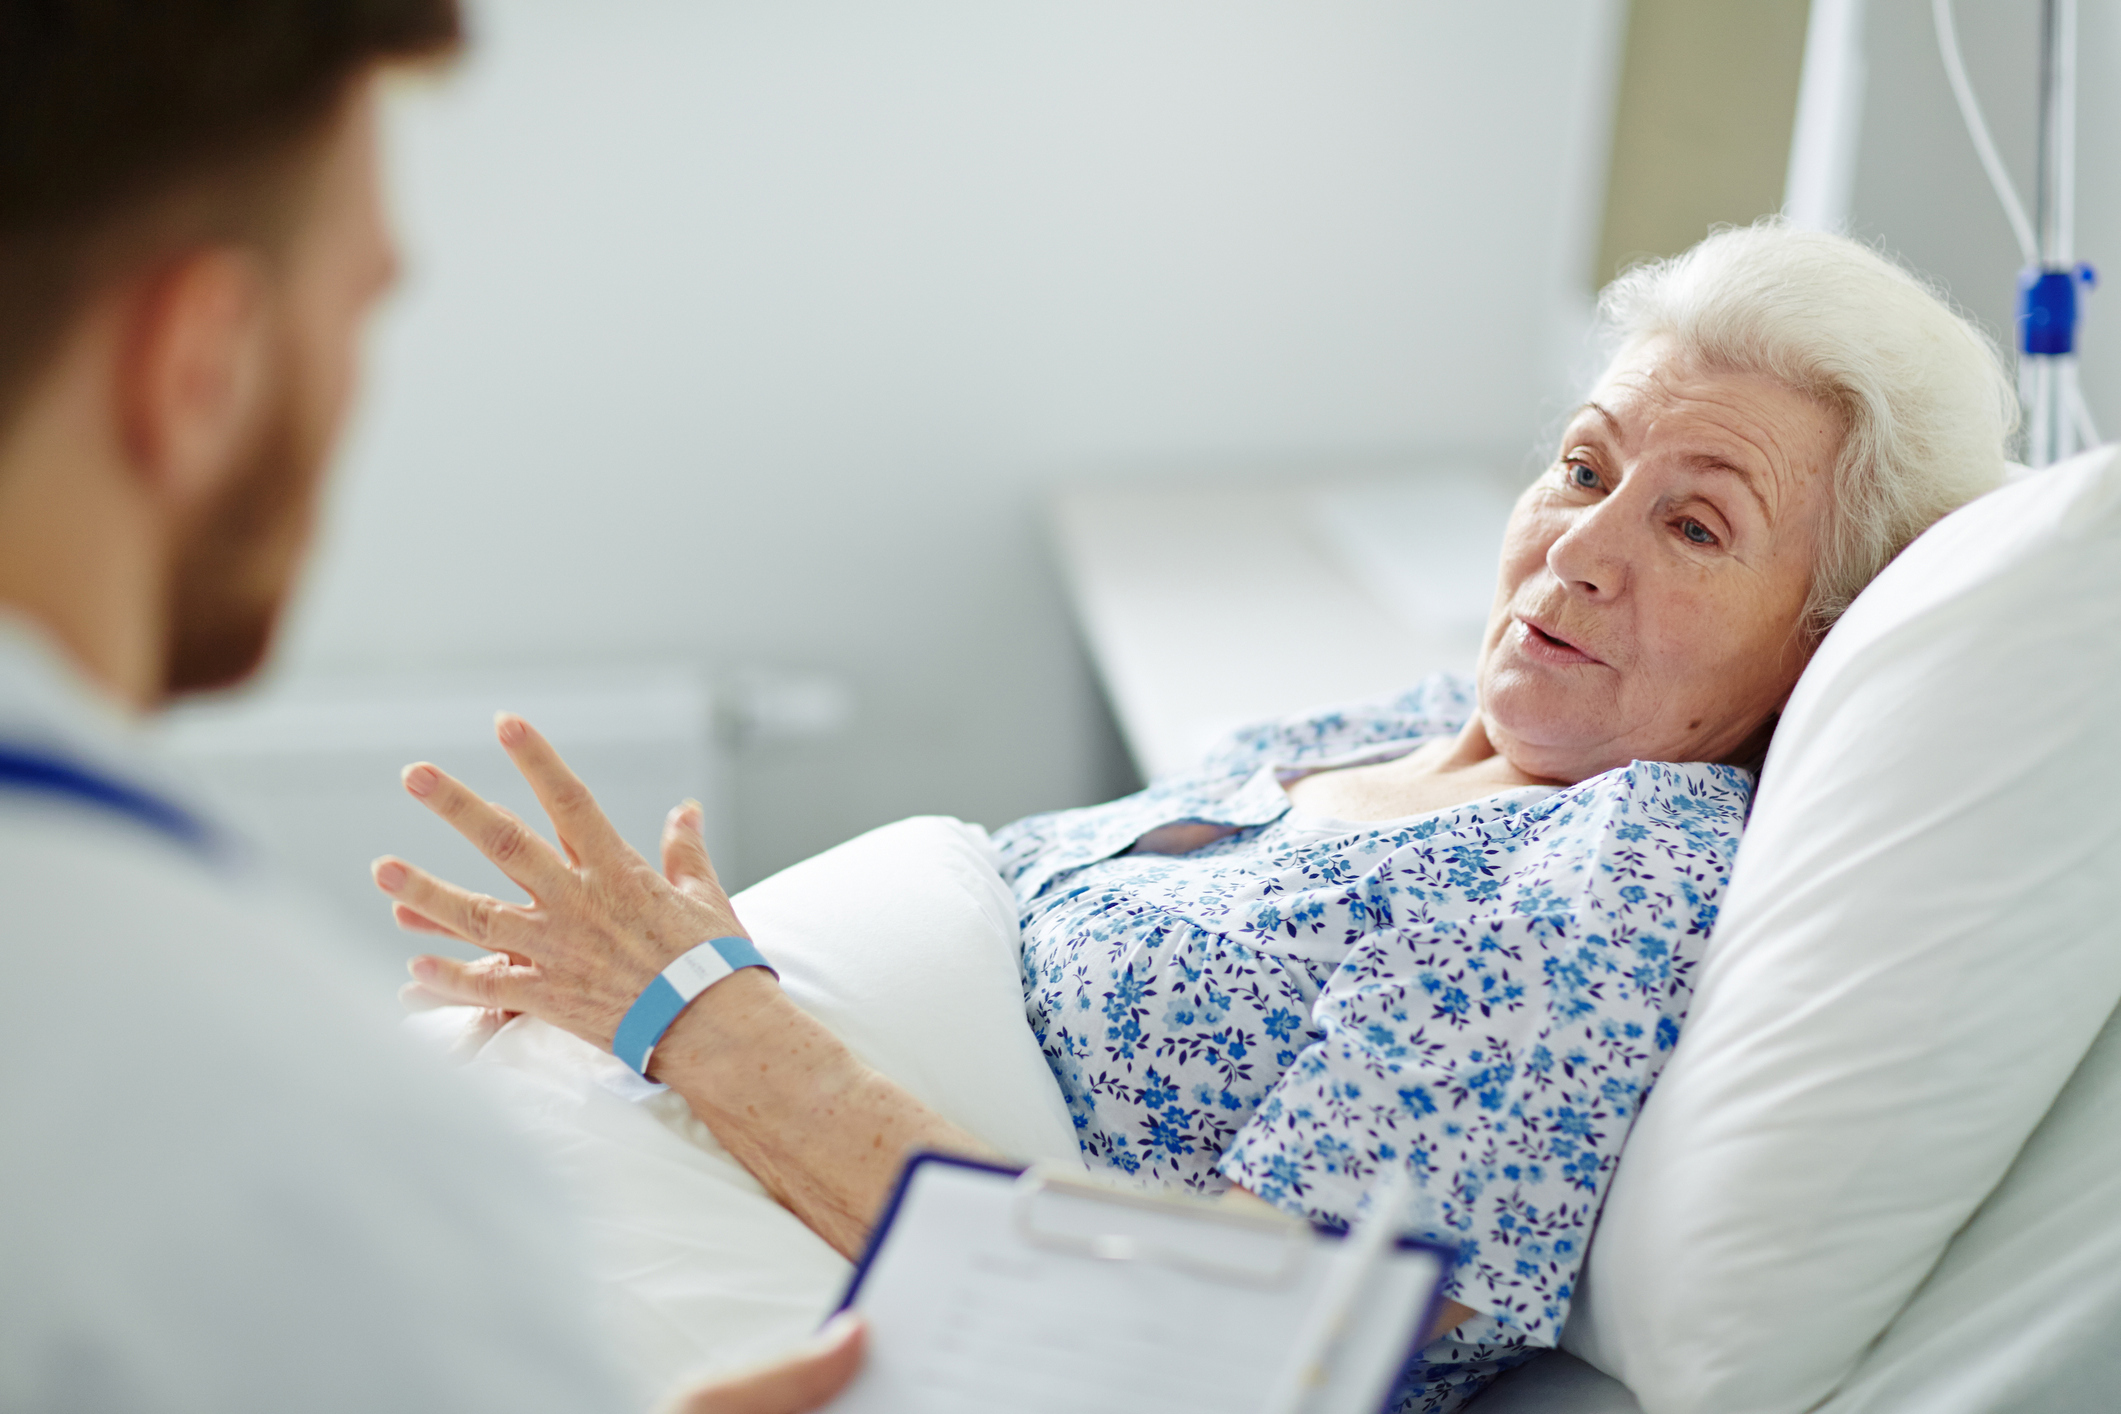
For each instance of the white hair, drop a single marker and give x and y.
(1922, 393)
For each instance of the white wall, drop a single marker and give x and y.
(750, 331)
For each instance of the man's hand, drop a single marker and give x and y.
(802, 1382)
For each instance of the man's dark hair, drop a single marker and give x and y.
(128, 125)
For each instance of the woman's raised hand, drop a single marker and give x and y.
(823, 1132)
(602, 922)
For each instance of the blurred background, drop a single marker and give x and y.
(845, 409)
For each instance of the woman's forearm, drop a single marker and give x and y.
(823, 1132)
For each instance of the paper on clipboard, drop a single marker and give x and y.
(984, 1292)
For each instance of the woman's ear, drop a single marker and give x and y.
(191, 380)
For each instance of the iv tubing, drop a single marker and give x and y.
(1977, 129)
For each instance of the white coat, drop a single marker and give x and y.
(226, 1184)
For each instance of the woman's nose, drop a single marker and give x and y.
(1588, 557)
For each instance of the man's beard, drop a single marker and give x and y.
(234, 571)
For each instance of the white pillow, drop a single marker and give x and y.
(2024, 1312)
(1917, 946)
(904, 943)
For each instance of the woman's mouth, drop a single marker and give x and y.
(1549, 647)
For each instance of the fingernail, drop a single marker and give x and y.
(423, 969)
(420, 780)
(509, 728)
(837, 1329)
(390, 875)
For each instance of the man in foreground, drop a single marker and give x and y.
(228, 1188)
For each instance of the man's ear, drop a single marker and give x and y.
(191, 380)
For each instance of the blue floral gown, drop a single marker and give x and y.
(1482, 994)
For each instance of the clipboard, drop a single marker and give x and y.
(989, 1287)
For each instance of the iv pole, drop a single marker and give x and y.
(2058, 423)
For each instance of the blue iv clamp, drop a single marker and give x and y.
(2047, 308)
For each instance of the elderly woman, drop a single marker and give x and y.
(1453, 931)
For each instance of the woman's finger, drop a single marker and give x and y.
(685, 860)
(478, 919)
(415, 997)
(413, 922)
(584, 829)
(418, 997)
(516, 849)
(463, 1041)
(490, 982)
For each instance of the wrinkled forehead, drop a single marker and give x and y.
(1658, 397)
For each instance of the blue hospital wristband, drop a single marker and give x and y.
(673, 990)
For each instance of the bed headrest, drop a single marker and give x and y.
(1917, 947)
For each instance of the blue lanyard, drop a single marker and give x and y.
(36, 773)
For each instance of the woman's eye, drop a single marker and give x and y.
(1580, 476)
(1697, 533)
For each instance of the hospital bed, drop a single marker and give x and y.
(1883, 1170)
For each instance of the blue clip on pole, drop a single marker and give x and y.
(2047, 309)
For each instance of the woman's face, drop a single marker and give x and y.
(1654, 577)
